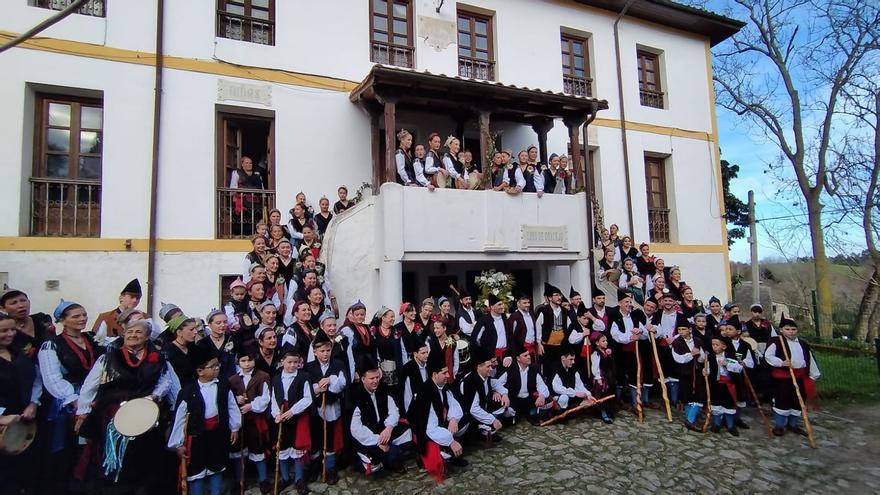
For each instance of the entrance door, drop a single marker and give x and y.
(438, 285)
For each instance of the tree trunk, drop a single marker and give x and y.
(823, 284)
(867, 306)
(873, 322)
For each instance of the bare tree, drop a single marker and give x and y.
(785, 73)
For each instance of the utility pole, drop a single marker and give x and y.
(753, 243)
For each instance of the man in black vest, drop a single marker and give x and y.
(551, 324)
(375, 424)
(522, 325)
(492, 331)
(413, 375)
(528, 393)
(628, 330)
(786, 406)
(466, 314)
(484, 398)
(327, 378)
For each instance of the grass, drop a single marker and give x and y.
(847, 379)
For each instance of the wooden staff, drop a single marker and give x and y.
(324, 417)
(278, 454)
(797, 391)
(184, 484)
(455, 290)
(757, 402)
(662, 377)
(708, 394)
(574, 409)
(639, 411)
(241, 461)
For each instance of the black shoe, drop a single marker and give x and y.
(778, 431)
(265, 487)
(715, 429)
(332, 477)
(397, 468)
(495, 438)
(692, 427)
(302, 488)
(458, 462)
(741, 424)
(733, 431)
(798, 430)
(533, 420)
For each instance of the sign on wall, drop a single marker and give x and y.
(248, 93)
(544, 237)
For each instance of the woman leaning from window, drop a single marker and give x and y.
(434, 171)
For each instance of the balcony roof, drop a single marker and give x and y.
(668, 13)
(457, 95)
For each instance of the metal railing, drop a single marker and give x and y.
(93, 8)
(651, 98)
(473, 68)
(658, 224)
(244, 28)
(391, 54)
(577, 86)
(239, 211)
(65, 207)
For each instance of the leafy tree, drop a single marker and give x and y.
(736, 212)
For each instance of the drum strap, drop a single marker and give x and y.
(114, 451)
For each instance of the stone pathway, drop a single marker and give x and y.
(584, 455)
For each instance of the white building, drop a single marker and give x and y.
(294, 84)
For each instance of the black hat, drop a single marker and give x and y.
(463, 293)
(734, 322)
(785, 322)
(366, 363)
(572, 293)
(199, 355)
(493, 299)
(133, 287)
(596, 291)
(414, 341)
(623, 294)
(566, 348)
(681, 321)
(480, 355)
(520, 295)
(321, 338)
(582, 309)
(549, 290)
(564, 299)
(517, 348)
(436, 362)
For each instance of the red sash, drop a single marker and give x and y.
(731, 387)
(801, 373)
(433, 461)
(531, 348)
(338, 439)
(212, 424)
(499, 354)
(629, 347)
(303, 440)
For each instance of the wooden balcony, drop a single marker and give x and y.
(391, 54)
(239, 211)
(577, 86)
(65, 207)
(94, 8)
(244, 28)
(473, 68)
(651, 98)
(658, 224)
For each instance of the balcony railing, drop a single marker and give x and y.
(577, 86)
(651, 98)
(65, 207)
(473, 68)
(391, 54)
(658, 224)
(244, 28)
(239, 211)
(92, 7)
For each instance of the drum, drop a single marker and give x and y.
(463, 348)
(136, 417)
(389, 372)
(17, 436)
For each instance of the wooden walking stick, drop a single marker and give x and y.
(797, 391)
(757, 402)
(662, 377)
(184, 484)
(708, 394)
(324, 417)
(639, 411)
(278, 454)
(575, 409)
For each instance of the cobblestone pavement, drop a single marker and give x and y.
(584, 455)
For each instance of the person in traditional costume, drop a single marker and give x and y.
(499, 177)
(340, 345)
(446, 314)
(758, 327)
(440, 342)
(492, 331)
(291, 402)
(714, 317)
(389, 348)
(529, 395)
(513, 176)
(256, 255)
(287, 264)
(438, 422)
(327, 378)
(663, 324)
(690, 306)
(31, 330)
(343, 203)
(723, 389)
(250, 387)
(628, 330)
(20, 391)
(551, 324)
(453, 167)
(688, 353)
(523, 327)
(184, 330)
(323, 217)
(413, 375)
(484, 398)
(376, 429)
(434, 171)
(246, 207)
(603, 374)
(134, 370)
(599, 311)
(220, 341)
(534, 180)
(609, 270)
(206, 423)
(412, 333)
(701, 330)
(276, 285)
(800, 360)
(64, 362)
(426, 312)
(419, 167)
(362, 340)
(631, 280)
(300, 334)
(575, 299)
(675, 285)
(555, 179)
(579, 331)
(406, 171)
(466, 314)
(567, 381)
(740, 351)
(105, 325)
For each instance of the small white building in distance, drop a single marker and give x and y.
(314, 92)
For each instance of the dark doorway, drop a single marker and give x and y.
(438, 285)
(409, 288)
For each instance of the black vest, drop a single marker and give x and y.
(72, 367)
(195, 406)
(547, 324)
(549, 181)
(782, 340)
(497, 176)
(455, 163)
(407, 166)
(436, 159)
(513, 380)
(679, 346)
(567, 376)
(293, 394)
(371, 418)
(474, 386)
(313, 370)
(530, 181)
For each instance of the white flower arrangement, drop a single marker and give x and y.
(496, 283)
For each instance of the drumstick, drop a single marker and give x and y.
(278, 453)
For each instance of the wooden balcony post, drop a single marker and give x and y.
(574, 126)
(542, 127)
(485, 132)
(389, 106)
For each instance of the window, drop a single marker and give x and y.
(92, 7)
(243, 198)
(476, 57)
(576, 67)
(658, 207)
(649, 79)
(391, 28)
(247, 20)
(66, 183)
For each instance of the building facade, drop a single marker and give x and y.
(288, 83)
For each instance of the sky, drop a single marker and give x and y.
(743, 145)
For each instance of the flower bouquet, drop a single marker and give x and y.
(496, 283)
